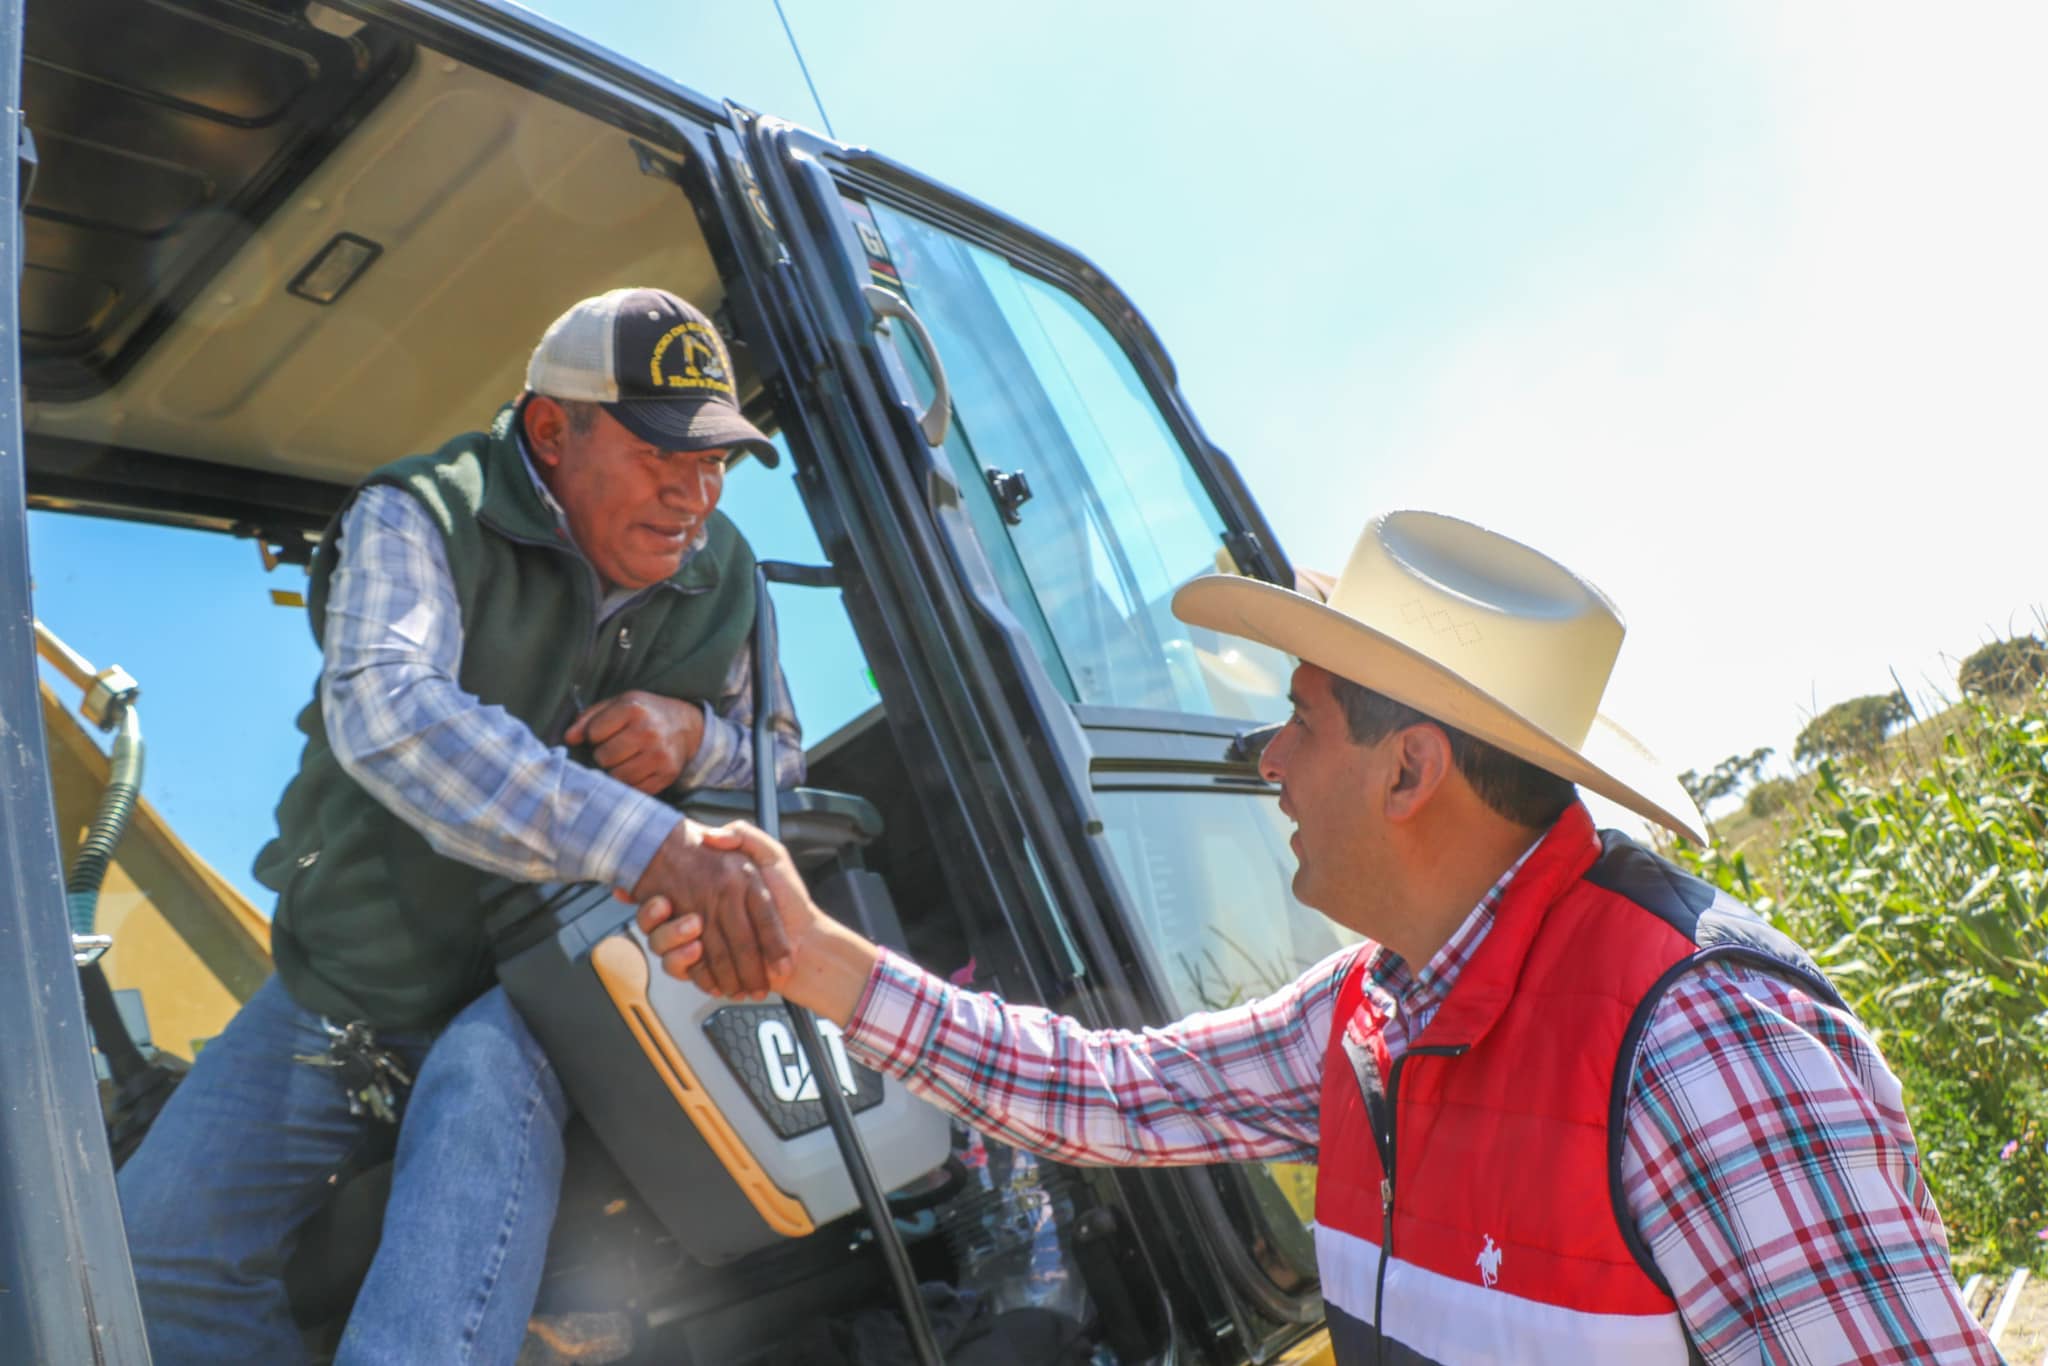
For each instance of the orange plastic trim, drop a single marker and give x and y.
(621, 966)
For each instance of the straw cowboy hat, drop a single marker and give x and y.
(1474, 630)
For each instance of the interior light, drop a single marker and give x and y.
(338, 265)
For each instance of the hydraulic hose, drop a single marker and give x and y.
(140, 1086)
(109, 821)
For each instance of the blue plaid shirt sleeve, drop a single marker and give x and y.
(475, 781)
(725, 756)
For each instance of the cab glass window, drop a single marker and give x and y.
(1212, 879)
(829, 679)
(1045, 400)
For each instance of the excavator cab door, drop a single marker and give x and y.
(69, 1294)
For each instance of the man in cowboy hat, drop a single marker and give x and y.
(1568, 1103)
(530, 637)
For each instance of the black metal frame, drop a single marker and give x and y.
(63, 1256)
(1029, 857)
(144, 486)
(948, 705)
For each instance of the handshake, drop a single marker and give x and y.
(725, 908)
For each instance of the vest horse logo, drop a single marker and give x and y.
(1488, 1263)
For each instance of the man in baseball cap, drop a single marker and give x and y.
(657, 366)
(480, 714)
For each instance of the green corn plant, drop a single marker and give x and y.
(1923, 892)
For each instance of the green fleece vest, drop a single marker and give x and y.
(371, 923)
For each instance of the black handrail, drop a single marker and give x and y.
(768, 815)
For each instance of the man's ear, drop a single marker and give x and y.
(1422, 764)
(546, 423)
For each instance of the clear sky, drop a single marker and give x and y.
(1738, 308)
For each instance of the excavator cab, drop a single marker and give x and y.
(269, 247)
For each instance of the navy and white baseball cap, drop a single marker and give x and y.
(656, 364)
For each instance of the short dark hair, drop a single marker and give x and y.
(582, 414)
(1511, 787)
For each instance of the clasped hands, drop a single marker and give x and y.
(725, 908)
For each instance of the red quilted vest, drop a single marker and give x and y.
(1507, 1238)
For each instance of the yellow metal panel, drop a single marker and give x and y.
(183, 935)
(1314, 1350)
(184, 1002)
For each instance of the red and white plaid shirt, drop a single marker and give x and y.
(1769, 1163)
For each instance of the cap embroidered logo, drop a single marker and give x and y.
(697, 362)
(657, 364)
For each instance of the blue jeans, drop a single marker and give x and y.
(245, 1151)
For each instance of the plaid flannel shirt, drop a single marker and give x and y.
(1768, 1160)
(471, 778)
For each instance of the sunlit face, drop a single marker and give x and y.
(1325, 779)
(634, 509)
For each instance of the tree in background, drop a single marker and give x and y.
(1726, 778)
(2004, 668)
(1851, 729)
(1771, 796)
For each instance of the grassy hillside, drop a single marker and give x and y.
(1919, 878)
(1907, 753)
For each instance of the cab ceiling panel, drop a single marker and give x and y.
(166, 131)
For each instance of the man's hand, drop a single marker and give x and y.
(641, 739)
(794, 948)
(715, 907)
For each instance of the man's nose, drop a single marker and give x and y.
(1271, 757)
(693, 490)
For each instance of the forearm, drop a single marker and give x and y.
(471, 778)
(1219, 1088)
(724, 757)
(833, 966)
(725, 754)
(1233, 1085)
(481, 788)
